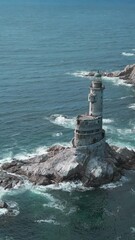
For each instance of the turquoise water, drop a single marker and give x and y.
(45, 48)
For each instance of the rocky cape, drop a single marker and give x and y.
(63, 164)
(127, 74)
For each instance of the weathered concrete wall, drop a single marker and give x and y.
(95, 97)
(88, 130)
(88, 138)
(89, 152)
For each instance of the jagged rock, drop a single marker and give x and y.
(66, 164)
(3, 204)
(8, 180)
(127, 158)
(62, 166)
(128, 74)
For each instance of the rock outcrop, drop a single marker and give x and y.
(3, 205)
(65, 164)
(128, 74)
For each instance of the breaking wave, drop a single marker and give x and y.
(127, 54)
(125, 97)
(115, 184)
(13, 206)
(80, 74)
(107, 120)
(58, 134)
(132, 106)
(16, 190)
(9, 157)
(115, 80)
(64, 186)
(63, 121)
(3, 211)
(50, 221)
(116, 136)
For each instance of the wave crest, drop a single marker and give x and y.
(63, 121)
(132, 106)
(127, 54)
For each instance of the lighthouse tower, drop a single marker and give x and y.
(95, 96)
(88, 131)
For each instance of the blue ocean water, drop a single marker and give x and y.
(45, 48)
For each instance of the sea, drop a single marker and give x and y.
(46, 49)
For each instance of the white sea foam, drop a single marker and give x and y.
(119, 131)
(9, 157)
(119, 134)
(14, 208)
(16, 190)
(121, 144)
(125, 97)
(127, 54)
(50, 221)
(55, 204)
(63, 121)
(41, 190)
(107, 120)
(71, 211)
(115, 184)
(132, 106)
(132, 191)
(64, 186)
(25, 155)
(80, 74)
(117, 81)
(58, 134)
(126, 131)
(3, 211)
(68, 186)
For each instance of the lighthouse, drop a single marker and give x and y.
(95, 96)
(88, 132)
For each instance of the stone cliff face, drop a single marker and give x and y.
(66, 164)
(128, 74)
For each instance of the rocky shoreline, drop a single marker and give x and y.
(127, 74)
(64, 164)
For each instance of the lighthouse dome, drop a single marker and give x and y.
(98, 75)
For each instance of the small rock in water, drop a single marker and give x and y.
(3, 204)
